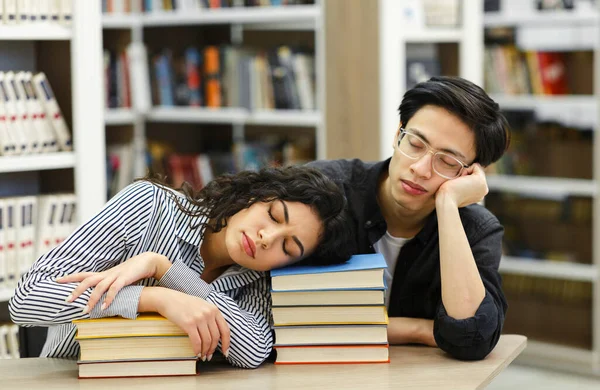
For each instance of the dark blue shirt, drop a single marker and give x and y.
(416, 286)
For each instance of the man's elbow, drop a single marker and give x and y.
(476, 351)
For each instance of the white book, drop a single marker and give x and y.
(41, 122)
(139, 78)
(46, 221)
(34, 10)
(15, 89)
(3, 271)
(66, 12)
(15, 126)
(10, 11)
(45, 93)
(7, 143)
(44, 10)
(13, 341)
(4, 342)
(67, 217)
(302, 70)
(25, 232)
(33, 113)
(54, 10)
(23, 11)
(10, 234)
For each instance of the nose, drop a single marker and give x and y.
(422, 166)
(266, 237)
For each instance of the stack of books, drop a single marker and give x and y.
(331, 314)
(150, 345)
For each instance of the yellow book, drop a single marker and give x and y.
(146, 324)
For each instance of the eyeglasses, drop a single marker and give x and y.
(415, 147)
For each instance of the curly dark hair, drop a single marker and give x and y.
(227, 194)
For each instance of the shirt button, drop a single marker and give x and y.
(368, 224)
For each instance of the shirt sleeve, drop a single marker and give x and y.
(99, 244)
(248, 316)
(474, 338)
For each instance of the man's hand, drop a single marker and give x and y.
(471, 187)
(405, 330)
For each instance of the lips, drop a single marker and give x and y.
(248, 245)
(413, 188)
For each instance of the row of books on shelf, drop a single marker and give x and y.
(199, 169)
(548, 150)
(30, 119)
(9, 341)
(549, 310)
(333, 314)
(36, 11)
(128, 6)
(558, 290)
(513, 72)
(230, 76)
(570, 209)
(29, 227)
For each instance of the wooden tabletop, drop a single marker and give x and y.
(411, 367)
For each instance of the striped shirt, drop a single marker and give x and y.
(142, 218)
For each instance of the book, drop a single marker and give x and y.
(330, 335)
(360, 271)
(136, 368)
(328, 298)
(333, 354)
(317, 315)
(146, 324)
(143, 347)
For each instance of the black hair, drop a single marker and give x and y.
(227, 194)
(470, 104)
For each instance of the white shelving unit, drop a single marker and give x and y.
(88, 157)
(393, 39)
(41, 32)
(37, 162)
(302, 17)
(542, 186)
(557, 31)
(549, 269)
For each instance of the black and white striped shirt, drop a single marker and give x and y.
(141, 218)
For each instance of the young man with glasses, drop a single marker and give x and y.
(419, 209)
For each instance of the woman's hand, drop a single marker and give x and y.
(142, 266)
(201, 320)
(471, 187)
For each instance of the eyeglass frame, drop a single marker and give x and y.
(430, 149)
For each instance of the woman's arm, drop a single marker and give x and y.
(248, 315)
(99, 244)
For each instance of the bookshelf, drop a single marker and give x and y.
(70, 57)
(459, 54)
(577, 347)
(255, 24)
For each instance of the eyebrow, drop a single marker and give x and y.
(451, 151)
(286, 216)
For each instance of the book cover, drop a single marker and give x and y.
(333, 354)
(146, 324)
(360, 271)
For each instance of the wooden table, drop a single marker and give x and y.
(411, 367)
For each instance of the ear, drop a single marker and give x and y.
(395, 141)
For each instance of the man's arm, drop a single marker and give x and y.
(462, 288)
(471, 312)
